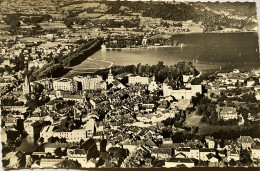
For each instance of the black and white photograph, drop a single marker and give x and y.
(129, 84)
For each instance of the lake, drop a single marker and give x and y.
(208, 51)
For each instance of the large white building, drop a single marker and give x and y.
(181, 93)
(138, 79)
(153, 85)
(110, 77)
(228, 113)
(49, 163)
(65, 84)
(93, 83)
(71, 136)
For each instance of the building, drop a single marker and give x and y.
(228, 113)
(245, 141)
(78, 155)
(26, 86)
(187, 78)
(189, 152)
(153, 85)
(161, 153)
(204, 152)
(37, 63)
(210, 141)
(47, 83)
(73, 97)
(93, 83)
(71, 136)
(32, 128)
(250, 82)
(110, 77)
(65, 84)
(90, 127)
(51, 147)
(117, 85)
(181, 92)
(21, 109)
(49, 163)
(138, 79)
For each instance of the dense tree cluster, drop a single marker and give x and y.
(67, 163)
(48, 70)
(160, 71)
(251, 130)
(193, 11)
(14, 20)
(81, 54)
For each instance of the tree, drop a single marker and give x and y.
(68, 164)
(63, 140)
(232, 163)
(58, 152)
(246, 158)
(168, 122)
(105, 156)
(118, 152)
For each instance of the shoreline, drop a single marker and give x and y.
(141, 47)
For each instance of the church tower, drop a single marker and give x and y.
(26, 86)
(110, 77)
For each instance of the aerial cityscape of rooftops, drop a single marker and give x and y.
(88, 84)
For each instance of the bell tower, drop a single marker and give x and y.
(26, 86)
(110, 77)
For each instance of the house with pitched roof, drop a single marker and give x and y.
(210, 141)
(204, 152)
(90, 127)
(32, 128)
(78, 155)
(213, 160)
(189, 152)
(49, 162)
(228, 113)
(245, 142)
(51, 147)
(161, 153)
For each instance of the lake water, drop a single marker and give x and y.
(208, 51)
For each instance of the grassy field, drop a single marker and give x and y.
(88, 66)
(193, 120)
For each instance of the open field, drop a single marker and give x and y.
(90, 65)
(193, 120)
(81, 6)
